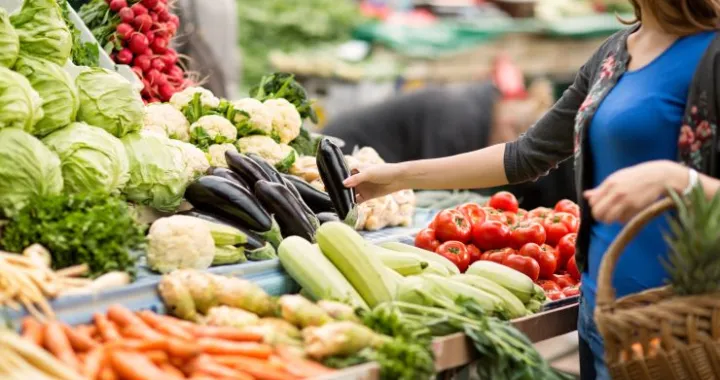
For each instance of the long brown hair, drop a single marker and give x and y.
(680, 17)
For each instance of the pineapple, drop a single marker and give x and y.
(693, 263)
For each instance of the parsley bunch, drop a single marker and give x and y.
(96, 229)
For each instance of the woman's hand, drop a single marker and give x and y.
(375, 181)
(628, 191)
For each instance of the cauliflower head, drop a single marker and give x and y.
(282, 156)
(196, 162)
(181, 99)
(212, 129)
(217, 154)
(165, 118)
(179, 242)
(286, 120)
(252, 117)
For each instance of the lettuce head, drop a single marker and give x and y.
(28, 169)
(9, 41)
(92, 160)
(109, 101)
(158, 172)
(20, 104)
(42, 31)
(56, 88)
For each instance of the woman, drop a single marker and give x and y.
(626, 122)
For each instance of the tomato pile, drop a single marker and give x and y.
(539, 243)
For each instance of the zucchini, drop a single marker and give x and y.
(282, 204)
(229, 175)
(246, 168)
(333, 171)
(517, 283)
(222, 197)
(315, 273)
(456, 290)
(318, 201)
(403, 263)
(350, 254)
(514, 306)
(423, 254)
(226, 255)
(223, 234)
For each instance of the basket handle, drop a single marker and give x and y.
(605, 291)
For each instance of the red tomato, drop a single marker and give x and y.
(572, 222)
(569, 207)
(521, 214)
(556, 228)
(484, 256)
(551, 249)
(452, 225)
(526, 232)
(571, 291)
(548, 285)
(456, 252)
(573, 269)
(523, 264)
(544, 255)
(491, 235)
(566, 249)
(473, 211)
(511, 218)
(563, 280)
(499, 255)
(504, 200)
(432, 223)
(474, 253)
(540, 212)
(426, 239)
(492, 214)
(554, 295)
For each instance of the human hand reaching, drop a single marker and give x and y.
(375, 181)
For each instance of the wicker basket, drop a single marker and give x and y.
(678, 336)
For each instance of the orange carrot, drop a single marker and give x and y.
(156, 356)
(299, 366)
(143, 344)
(164, 326)
(182, 349)
(107, 373)
(224, 347)
(93, 363)
(32, 330)
(141, 331)
(108, 331)
(260, 369)
(205, 365)
(122, 316)
(172, 371)
(58, 344)
(79, 341)
(134, 366)
(228, 333)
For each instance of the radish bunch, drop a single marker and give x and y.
(141, 39)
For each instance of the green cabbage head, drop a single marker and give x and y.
(56, 88)
(20, 104)
(42, 31)
(9, 41)
(92, 160)
(28, 169)
(109, 101)
(158, 175)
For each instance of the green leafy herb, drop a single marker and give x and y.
(83, 53)
(284, 85)
(305, 144)
(96, 229)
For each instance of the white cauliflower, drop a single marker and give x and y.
(282, 156)
(196, 162)
(212, 129)
(217, 154)
(286, 120)
(166, 119)
(179, 242)
(252, 116)
(181, 99)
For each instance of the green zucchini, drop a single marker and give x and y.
(423, 255)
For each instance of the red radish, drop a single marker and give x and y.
(152, 100)
(124, 56)
(171, 28)
(162, 12)
(166, 92)
(142, 22)
(161, 32)
(160, 46)
(175, 74)
(149, 4)
(138, 9)
(154, 17)
(138, 43)
(126, 15)
(117, 5)
(158, 64)
(174, 19)
(143, 62)
(150, 36)
(124, 30)
(169, 57)
(138, 71)
(146, 88)
(156, 78)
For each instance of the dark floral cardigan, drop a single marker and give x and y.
(562, 132)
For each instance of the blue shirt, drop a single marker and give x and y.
(638, 121)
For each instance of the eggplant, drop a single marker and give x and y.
(325, 217)
(222, 197)
(318, 201)
(286, 208)
(270, 170)
(333, 171)
(246, 168)
(229, 175)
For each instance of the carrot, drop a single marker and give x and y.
(32, 330)
(122, 316)
(93, 363)
(260, 369)
(224, 347)
(205, 365)
(144, 344)
(182, 349)
(134, 366)
(79, 341)
(141, 331)
(299, 366)
(172, 371)
(107, 373)
(164, 326)
(108, 331)
(156, 356)
(58, 344)
(228, 333)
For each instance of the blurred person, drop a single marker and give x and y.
(442, 121)
(639, 118)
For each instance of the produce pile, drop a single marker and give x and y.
(539, 243)
(138, 33)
